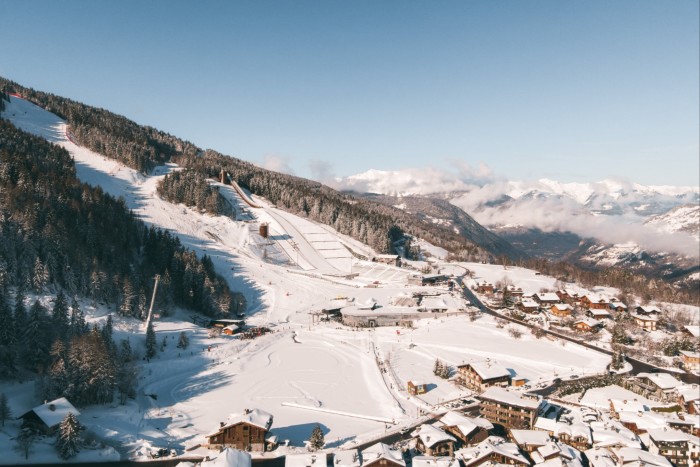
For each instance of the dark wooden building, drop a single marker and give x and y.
(246, 431)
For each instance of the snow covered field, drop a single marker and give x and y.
(318, 366)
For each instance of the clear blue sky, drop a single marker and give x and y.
(570, 90)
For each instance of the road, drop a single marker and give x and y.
(638, 366)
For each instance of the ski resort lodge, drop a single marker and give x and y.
(249, 431)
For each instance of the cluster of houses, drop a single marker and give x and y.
(563, 304)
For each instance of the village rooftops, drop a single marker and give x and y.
(645, 310)
(307, 459)
(645, 458)
(663, 380)
(52, 413)
(488, 369)
(549, 297)
(562, 307)
(528, 303)
(502, 396)
(431, 435)
(466, 425)
(613, 434)
(530, 437)
(554, 448)
(599, 313)
(652, 420)
(382, 451)
(599, 457)
(588, 322)
(491, 445)
(669, 435)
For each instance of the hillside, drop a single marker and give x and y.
(142, 148)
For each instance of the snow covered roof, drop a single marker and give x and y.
(547, 297)
(625, 405)
(647, 309)
(574, 430)
(589, 321)
(381, 451)
(433, 303)
(693, 330)
(307, 459)
(368, 304)
(628, 455)
(554, 448)
(491, 445)
(528, 303)
(232, 327)
(671, 435)
(686, 353)
(487, 369)
(598, 457)
(595, 298)
(52, 413)
(501, 395)
(662, 380)
(598, 313)
(689, 392)
(562, 306)
(431, 435)
(229, 457)
(430, 461)
(530, 437)
(651, 420)
(464, 424)
(347, 458)
(613, 434)
(255, 417)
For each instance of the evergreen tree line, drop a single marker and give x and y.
(192, 189)
(56, 232)
(143, 148)
(140, 147)
(72, 360)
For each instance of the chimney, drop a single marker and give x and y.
(221, 424)
(246, 411)
(52, 407)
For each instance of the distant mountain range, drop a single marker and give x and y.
(653, 229)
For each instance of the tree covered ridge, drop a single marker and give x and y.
(143, 148)
(137, 146)
(192, 189)
(57, 231)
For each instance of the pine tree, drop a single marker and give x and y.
(37, 337)
(150, 341)
(59, 316)
(8, 340)
(183, 341)
(5, 412)
(69, 441)
(25, 440)
(316, 440)
(78, 326)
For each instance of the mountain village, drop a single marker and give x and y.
(348, 357)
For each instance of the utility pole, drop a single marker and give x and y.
(153, 299)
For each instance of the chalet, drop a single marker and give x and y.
(480, 375)
(529, 440)
(611, 434)
(620, 406)
(46, 417)
(515, 292)
(597, 313)
(561, 310)
(416, 388)
(247, 431)
(642, 422)
(493, 450)
(231, 330)
(689, 398)
(617, 305)
(508, 409)
(655, 386)
(432, 441)
(633, 457)
(528, 305)
(587, 325)
(691, 360)
(394, 260)
(576, 434)
(557, 454)
(546, 298)
(485, 288)
(467, 430)
(347, 458)
(222, 323)
(646, 322)
(592, 301)
(692, 331)
(681, 449)
(382, 455)
(647, 310)
(568, 296)
(307, 459)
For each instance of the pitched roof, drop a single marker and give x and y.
(465, 425)
(662, 380)
(228, 457)
(501, 395)
(347, 458)
(671, 435)
(307, 459)
(693, 330)
(487, 369)
(431, 435)
(589, 321)
(430, 461)
(255, 417)
(491, 445)
(52, 413)
(530, 437)
(628, 455)
(381, 451)
(547, 297)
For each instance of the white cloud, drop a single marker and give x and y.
(277, 164)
